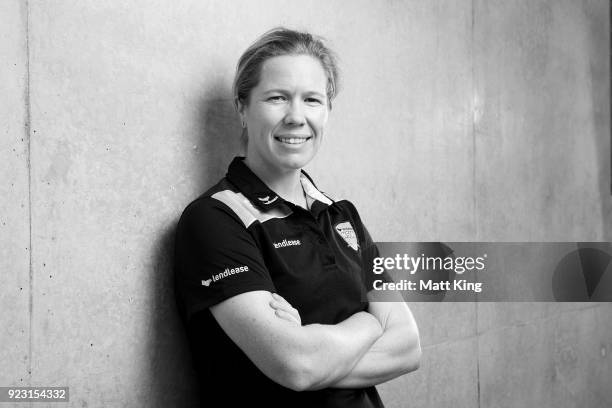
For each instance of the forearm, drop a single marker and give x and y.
(395, 353)
(336, 349)
(295, 356)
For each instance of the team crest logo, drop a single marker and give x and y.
(347, 233)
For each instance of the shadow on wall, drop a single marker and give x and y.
(600, 109)
(170, 379)
(219, 135)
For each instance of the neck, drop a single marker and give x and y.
(284, 183)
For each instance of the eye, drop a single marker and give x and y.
(314, 101)
(276, 98)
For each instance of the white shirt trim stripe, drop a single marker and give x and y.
(243, 208)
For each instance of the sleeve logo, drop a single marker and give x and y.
(347, 233)
(227, 272)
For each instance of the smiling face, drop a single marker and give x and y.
(286, 113)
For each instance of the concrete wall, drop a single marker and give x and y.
(15, 319)
(458, 120)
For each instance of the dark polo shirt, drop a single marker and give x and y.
(240, 236)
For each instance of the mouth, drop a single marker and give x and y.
(293, 139)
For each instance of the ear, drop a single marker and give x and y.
(240, 108)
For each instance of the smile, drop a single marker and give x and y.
(292, 139)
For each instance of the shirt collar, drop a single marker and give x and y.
(312, 193)
(260, 194)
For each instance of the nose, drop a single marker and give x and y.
(295, 115)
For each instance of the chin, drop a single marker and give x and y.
(295, 162)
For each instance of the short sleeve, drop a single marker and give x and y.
(215, 258)
(369, 251)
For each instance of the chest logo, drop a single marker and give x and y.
(266, 200)
(286, 243)
(346, 231)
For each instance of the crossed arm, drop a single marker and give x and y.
(396, 352)
(366, 349)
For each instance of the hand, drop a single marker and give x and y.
(284, 310)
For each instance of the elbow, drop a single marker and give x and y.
(302, 368)
(298, 383)
(309, 374)
(414, 359)
(291, 370)
(299, 375)
(412, 354)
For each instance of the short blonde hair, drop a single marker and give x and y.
(277, 42)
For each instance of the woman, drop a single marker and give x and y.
(269, 273)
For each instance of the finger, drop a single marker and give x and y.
(278, 305)
(281, 303)
(285, 307)
(284, 301)
(286, 316)
(279, 298)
